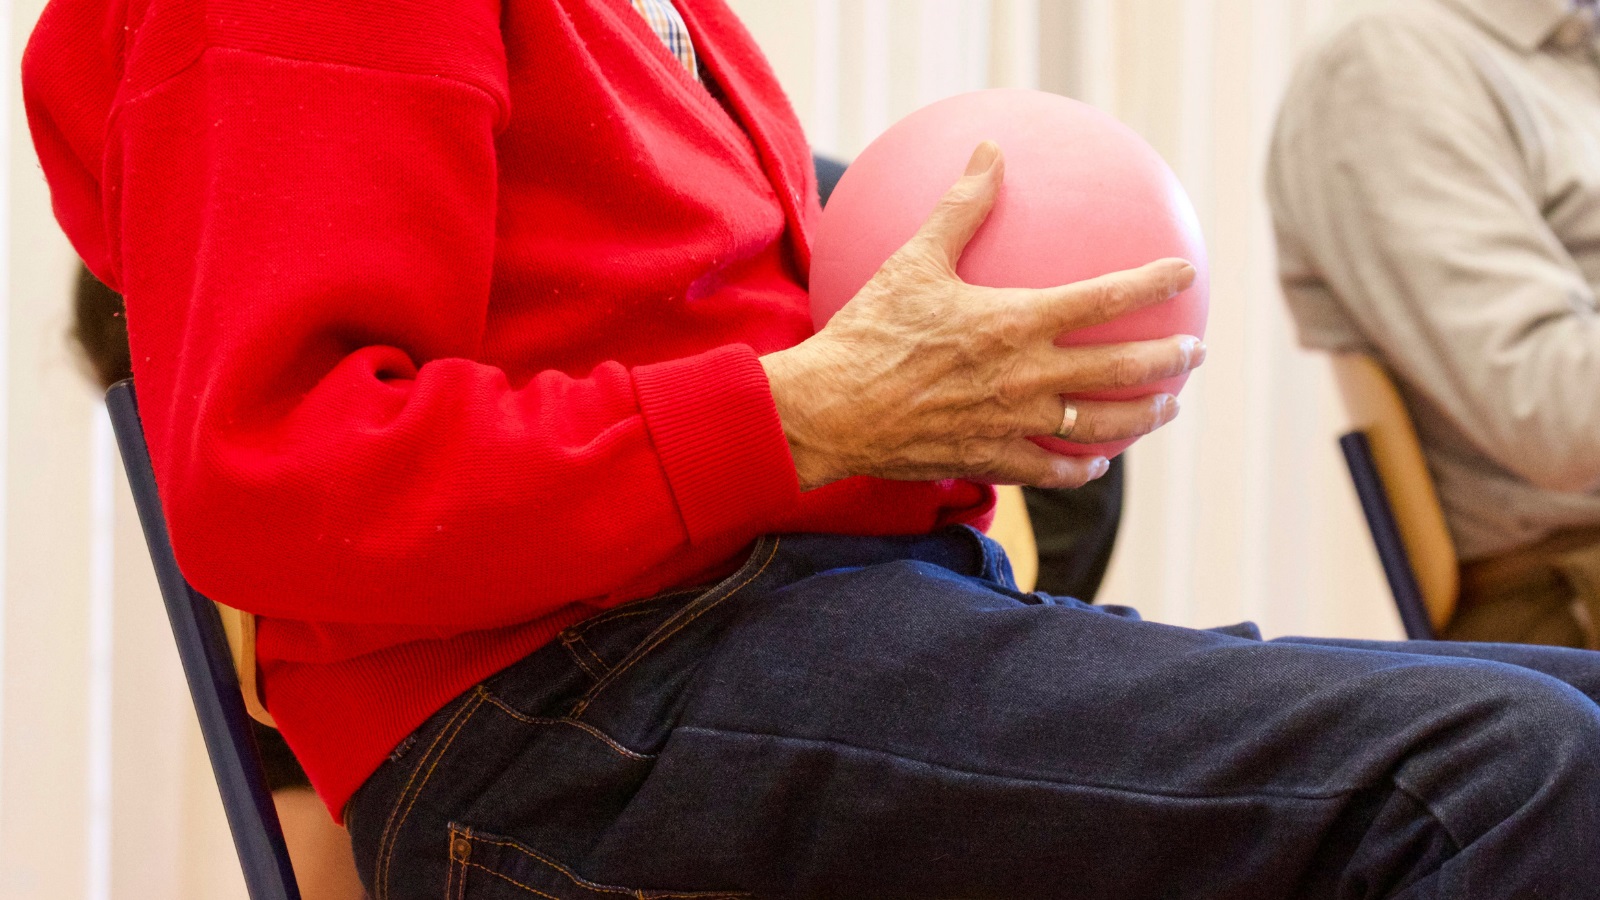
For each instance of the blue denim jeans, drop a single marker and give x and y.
(890, 717)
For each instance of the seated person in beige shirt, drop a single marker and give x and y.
(1435, 186)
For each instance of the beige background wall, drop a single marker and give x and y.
(1239, 510)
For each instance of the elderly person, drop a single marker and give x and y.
(473, 347)
(1435, 182)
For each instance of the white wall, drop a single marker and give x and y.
(104, 789)
(1239, 510)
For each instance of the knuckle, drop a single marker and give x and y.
(1012, 390)
(975, 455)
(1098, 298)
(991, 347)
(1086, 430)
(1141, 419)
(994, 428)
(1110, 298)
(1013, 323)
(958, 197)
(1125, 369)
(1165, 364)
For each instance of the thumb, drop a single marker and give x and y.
(963, 209)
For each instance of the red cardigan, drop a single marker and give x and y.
(446, 318)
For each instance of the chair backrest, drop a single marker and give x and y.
(1014, 531)
(208, 665)
(1377, 411)
(240, 628)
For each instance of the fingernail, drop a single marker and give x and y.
(1182, 277)
(1099, 468)
(1194, 349)
(983, 158)
(1171, 408)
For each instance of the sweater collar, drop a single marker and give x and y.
(743, 73)
(1526, 24)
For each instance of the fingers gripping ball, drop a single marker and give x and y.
(1084, 196)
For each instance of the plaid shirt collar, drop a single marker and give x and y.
(668, 25)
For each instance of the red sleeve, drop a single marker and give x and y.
(307, 248)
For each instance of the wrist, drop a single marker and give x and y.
(793, 395)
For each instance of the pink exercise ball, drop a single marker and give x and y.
(1084, 196)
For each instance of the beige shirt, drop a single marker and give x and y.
(1435, 185)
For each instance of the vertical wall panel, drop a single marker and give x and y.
(43, 801)
(1014, 44)
(8, 19)
(150, 713)
(822, 119)
(102, 621)
(876, 45)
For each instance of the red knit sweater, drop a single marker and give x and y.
(445, 319)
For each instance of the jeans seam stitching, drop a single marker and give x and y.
(385, 841)
(584, 883)
(584, 644)
(634, 608)
(677, 626)
(584, 726)
(504, 877)
(575, 637)
(455, 881)
(454, 728)
(569, 642)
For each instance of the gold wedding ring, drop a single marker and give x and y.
(1069, 421)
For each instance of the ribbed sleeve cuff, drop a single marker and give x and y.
(717, 433)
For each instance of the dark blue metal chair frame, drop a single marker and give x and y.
(1386, 535)
(213, 683)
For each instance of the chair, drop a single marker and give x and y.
(212, 641)
(1398, 497)
(1014, 531)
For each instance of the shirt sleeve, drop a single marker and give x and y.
(1409, 189)
(307, 250)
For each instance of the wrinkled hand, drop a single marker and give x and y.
(922, 376)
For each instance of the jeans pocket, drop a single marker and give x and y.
(442, 731)
(486, 866)
(597, 644)
(685, 614)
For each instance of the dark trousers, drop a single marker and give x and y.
(880, 718)
(1545, 594)
(1075, 532)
